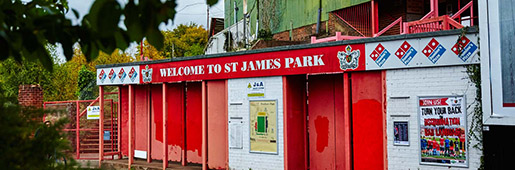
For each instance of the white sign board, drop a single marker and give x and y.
(236, 133)
(422, 52)
(256, 89)
(118, 75)
(93, 112)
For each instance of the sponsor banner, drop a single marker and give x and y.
(256, 89)
(422, 52)
(443, 131)
(302, 61)
(118, 75)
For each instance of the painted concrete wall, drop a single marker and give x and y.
(423, 82)
(242, 158)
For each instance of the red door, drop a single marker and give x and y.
(325, 101)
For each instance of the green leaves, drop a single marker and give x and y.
(27, 27)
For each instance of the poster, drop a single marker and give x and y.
(400, 133)
(263, 126)
(235, 133)
(93, 112)
(443, 131)
(256, 89)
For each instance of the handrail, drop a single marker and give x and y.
(454, 23)
(469, 5)
(429, 14)
(91, 104)
(397, 21)
(350, 25)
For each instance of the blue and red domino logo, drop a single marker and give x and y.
(464, 48)
(102, 76)
(122, 75)
(380, 55)
(112, 75)
(434, 50)
(133, 74)
(406, 53)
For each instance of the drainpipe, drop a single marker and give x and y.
(319, 14)
(236, 20)
(257, 19)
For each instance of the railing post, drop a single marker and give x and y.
(77, 129)
(471, 14)
(101, 127)
(374, 17)
(445, 23)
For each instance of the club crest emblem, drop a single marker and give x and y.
(348, 58)
(147, 74)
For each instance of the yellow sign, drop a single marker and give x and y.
(263, 126)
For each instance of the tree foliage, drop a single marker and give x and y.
(28, 26)
(28, 143)
(183, 41)
(86, 83)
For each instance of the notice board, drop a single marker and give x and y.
(263, 126)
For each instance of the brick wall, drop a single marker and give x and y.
(302, 33)
(436, 81)
(242, 159)
(30, 95)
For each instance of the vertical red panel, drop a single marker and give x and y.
(194, 122)
(157, 121)
(295, 121)
(217, 124)
(124, 115)
(322, 110)
(368, 120)
(140, 117)
(175, 97)
(339, 122)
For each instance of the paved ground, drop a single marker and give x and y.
(137, 165)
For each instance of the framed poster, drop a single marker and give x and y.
(443, 131)
(263, 126)
(400, 133)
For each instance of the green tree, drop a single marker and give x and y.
(183, 41)
(28, 26)
(87, 88)
(28, 143)
(14, 74)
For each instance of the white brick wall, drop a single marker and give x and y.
(435, 81)
(242, 158)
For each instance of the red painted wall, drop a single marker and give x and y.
(157, 121)
(217, 124)
(175, 121)
(295, 121)
(140, 118)
(194, 122)
(368, 120)
(325, 102)
(124, 115)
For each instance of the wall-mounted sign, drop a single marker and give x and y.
(443, 131)
(256, 89)
(422, 52)
(93, 112)
(400, 133)
(263, 126)
(107, 135)
(118, 75)
(289, 62)
(236, 133)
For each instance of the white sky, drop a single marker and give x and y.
(188, 11)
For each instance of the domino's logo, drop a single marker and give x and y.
(133, 74)
(380, 55)
(464, 48)
(122, 75)
(112, 75)
(433, 51)
(102, 76)
(406, 53)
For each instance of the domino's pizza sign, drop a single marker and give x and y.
(118, 75)
(112, 75)
(406, 53)
(102, 76)
(380, 55)
(464, 48)
(433, 51)
(122, 75)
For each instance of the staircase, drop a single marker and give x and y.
(89, 140)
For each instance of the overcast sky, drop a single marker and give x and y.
(187, 11)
